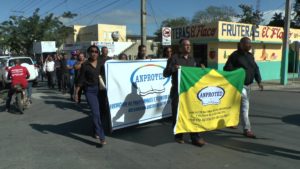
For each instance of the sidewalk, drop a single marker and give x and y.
(293, 84)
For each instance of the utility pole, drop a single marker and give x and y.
(285, 50)
(143, 23)
(255, 24)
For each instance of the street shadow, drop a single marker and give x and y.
(53, 98)
(2, 108)
(150, 134)
(218, 138)
(65, 105)
(167, 110)
(265, 116)
(284, 90)
(292, 119)
(70, 129)
(131, 111)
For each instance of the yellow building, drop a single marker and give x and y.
(214, 43)
(99, 32)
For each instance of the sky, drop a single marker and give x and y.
(127, 12)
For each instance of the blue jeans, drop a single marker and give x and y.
(92, 96)
(71, 85)
(244, 115)
(29, 90)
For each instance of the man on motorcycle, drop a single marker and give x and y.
(18, 75)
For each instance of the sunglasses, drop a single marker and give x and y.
(94, 51)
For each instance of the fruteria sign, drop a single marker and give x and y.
(137, 94)
(235, 31)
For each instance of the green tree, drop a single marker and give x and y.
(295, 23)
(249, 15)
(213, 14)
(277, 20)
(18, 33)
(181, 21)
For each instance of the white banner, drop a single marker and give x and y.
(137, 92)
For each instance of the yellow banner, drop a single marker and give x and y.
(212, 102)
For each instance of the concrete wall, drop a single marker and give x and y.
(88, 33)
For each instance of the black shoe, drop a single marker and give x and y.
(249, 134)
(200, 142)
(179, 138)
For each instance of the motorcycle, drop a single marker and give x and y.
(21, 102)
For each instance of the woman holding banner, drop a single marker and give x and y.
(89, 80)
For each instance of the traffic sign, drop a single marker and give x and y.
(166, 36)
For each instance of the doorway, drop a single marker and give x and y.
(200, 53)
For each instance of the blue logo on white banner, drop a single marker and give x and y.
(137, 92)
(148, 79)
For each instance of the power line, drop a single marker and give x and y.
(86, 7)
(46, 3)
(55, 7)
(97, 10)
(122, 4)
(34, 6)
(21, 5)
(83, 6)
(279, 7)
(28, 4)
(102, 9)
(18, 5)
(150, 4)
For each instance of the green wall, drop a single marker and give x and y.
(268, 70)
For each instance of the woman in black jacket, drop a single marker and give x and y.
(89, 80)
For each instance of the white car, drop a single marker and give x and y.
(7, 63)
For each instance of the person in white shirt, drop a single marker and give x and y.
(49, 69)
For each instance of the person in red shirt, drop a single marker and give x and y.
(18, 75)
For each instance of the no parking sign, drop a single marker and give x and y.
(166, 36)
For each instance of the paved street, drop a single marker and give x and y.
(55, 133)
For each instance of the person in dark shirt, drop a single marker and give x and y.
(70, 65)
(103, 58)
(167, 52)
(123, 56)
(89, 80)
(64, 73)
(242, 58)
(57, 63)
(77, 66)
(173, 63)
(104, 104)
(142, 52)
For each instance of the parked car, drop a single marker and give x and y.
(3, 57)
(7, 63)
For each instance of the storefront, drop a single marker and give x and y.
(215, 42)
